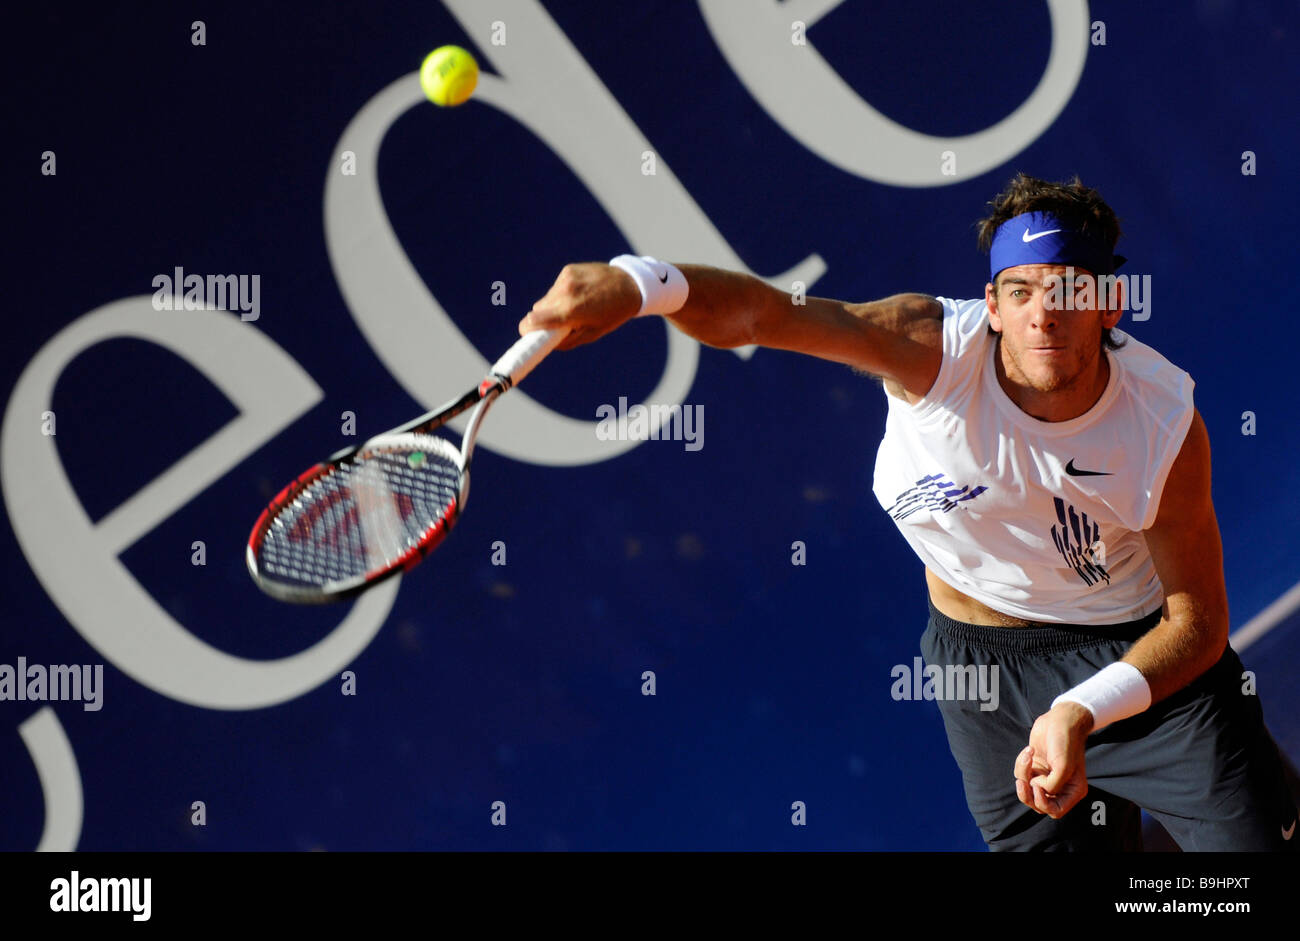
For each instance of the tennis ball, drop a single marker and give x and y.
(448, 76)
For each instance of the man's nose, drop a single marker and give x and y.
(1043, 309)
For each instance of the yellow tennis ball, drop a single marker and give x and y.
(448, 76)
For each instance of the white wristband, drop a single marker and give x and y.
(1117, 692)
(663, 287)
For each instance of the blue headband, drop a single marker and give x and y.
(1040, 238)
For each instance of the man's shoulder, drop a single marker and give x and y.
(964, 318)
(965, 326)
(975, 308)
(1144, 363)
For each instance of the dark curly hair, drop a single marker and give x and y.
(1078, 206)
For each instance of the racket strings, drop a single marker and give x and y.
(364, 516)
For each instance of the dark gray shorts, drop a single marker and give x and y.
(1201, 761)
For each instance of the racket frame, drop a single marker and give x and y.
(517, 362)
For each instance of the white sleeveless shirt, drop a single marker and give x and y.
(984, 493)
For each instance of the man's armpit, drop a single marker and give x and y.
(866, 373)
(890, 386)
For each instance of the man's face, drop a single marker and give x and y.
(1051, 329)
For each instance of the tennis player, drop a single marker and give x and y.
(1053, 476)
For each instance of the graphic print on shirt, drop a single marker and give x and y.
(1085, 552)
(935, 492)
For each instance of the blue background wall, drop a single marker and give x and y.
(522, 683)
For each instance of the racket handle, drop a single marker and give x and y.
(528, 351)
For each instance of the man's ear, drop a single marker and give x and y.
(991, 299)
(1111, 316)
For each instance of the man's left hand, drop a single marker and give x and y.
(1050, 775)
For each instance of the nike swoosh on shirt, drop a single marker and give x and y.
(1037, 235)
(1289, 832)
(1075, 472)
(663, 278)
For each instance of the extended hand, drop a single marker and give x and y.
(1050, 775)
(590, 298)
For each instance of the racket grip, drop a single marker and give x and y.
(528, 351)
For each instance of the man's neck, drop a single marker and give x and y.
(1061, 404)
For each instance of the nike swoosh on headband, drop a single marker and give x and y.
(1037, 235)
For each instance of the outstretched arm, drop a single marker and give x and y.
(897, 338)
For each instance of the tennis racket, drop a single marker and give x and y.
(379, 508)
